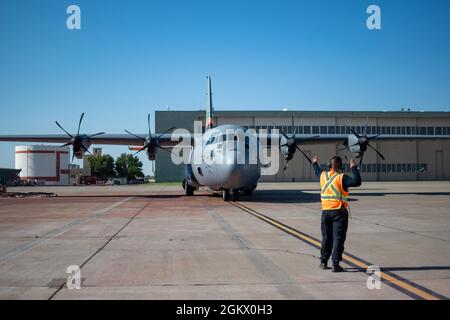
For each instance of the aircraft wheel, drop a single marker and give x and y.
(189, 190)
(248, 192)
(226, 195)
(235, 195)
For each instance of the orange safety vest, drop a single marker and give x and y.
(332, 194)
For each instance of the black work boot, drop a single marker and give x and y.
(337, 267)
(323, 264)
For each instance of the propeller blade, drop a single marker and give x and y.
(95, 134)
(63, 129)
(73, 155)
(306, 156)
(354, 132)
(168, 130)
(286, 165)
(86, 150)
(378, 152)
(344, 146)
(361, 161)
(141, 149)
(373, 137)
(149, 128)
(143, 139)
(79, 124)
(66, 144)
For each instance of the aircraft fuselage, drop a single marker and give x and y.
(222, 164)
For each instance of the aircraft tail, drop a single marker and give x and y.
(209, 109)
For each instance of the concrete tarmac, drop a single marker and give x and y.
(152, 242)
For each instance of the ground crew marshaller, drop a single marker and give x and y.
(334, 185)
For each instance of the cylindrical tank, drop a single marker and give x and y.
(43, 164)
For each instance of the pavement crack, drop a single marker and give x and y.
(56, 232)
(283, 282)
(104, 245)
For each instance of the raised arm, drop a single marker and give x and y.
(354, 178)
(316, 166)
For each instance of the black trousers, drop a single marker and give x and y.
(334, 231)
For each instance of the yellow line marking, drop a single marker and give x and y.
(360, 264)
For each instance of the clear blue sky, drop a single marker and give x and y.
(134, 57)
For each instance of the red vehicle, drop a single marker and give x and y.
(89, 180)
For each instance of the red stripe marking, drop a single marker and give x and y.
(41, 151)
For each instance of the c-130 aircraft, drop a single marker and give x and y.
(229, 176)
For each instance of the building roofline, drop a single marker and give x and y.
(320, 113)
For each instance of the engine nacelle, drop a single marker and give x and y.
(287, 148)
(356, 145)
(151, 153)
(79, 154)
(79, 147)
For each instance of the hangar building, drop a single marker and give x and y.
(405, 160)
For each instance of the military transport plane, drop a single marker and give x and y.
(230, 177)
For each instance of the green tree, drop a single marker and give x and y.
(129, 166)
(102, 166)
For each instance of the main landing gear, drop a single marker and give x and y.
(228, 195)
(189, 190)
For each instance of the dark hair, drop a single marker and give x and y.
(336, 163)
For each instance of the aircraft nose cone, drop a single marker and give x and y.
(241, 175)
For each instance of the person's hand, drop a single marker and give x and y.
(353, 163)
(315, 159)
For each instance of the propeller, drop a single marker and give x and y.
(363, 142)
(77, 141)
(152, 141)
(291, 144)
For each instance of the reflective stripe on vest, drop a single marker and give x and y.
(331, 195)
(329, 181)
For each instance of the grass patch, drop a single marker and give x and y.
(176, 183)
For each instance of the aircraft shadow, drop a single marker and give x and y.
(269, 196)
(382, 194)
(144, 196)
(284, 196)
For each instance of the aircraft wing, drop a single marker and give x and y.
(169, 140)
(338, 138)
(105, 139)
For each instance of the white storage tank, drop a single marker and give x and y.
(43, 164)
